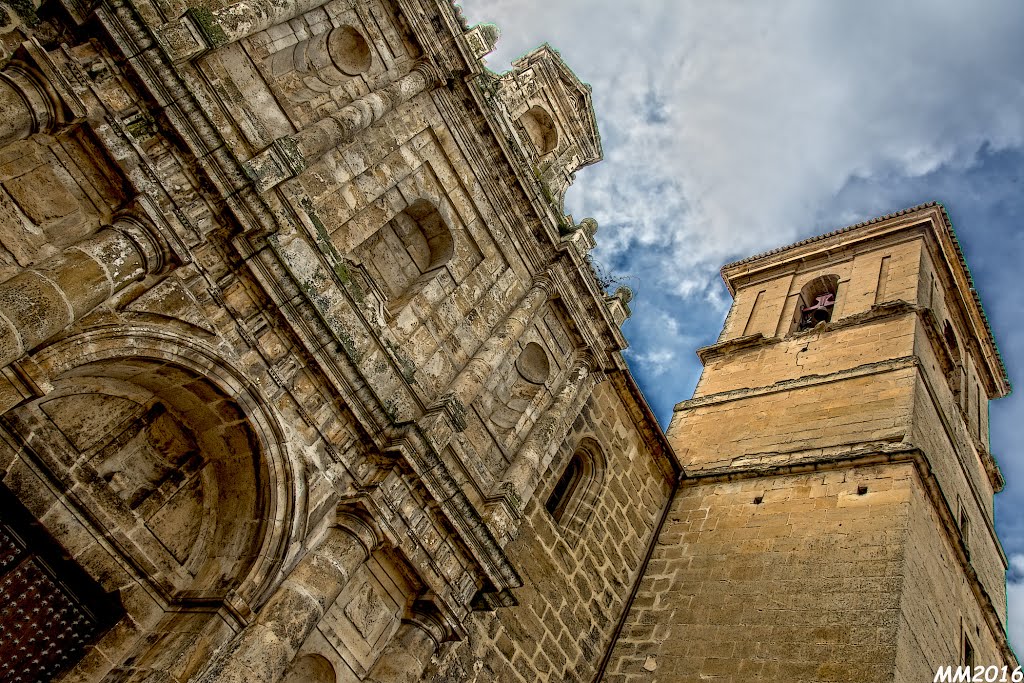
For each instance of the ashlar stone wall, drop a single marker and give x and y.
(575, 582)
(794, 577)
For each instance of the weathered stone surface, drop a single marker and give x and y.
(301, 364)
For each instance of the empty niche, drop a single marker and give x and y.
(514, 398)
(406, 253)
(540, 128)
(816, 302)
(310, 668)
(324, 61)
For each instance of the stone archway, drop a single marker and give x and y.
(175, 466)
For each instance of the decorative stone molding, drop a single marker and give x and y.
(288, 156)
(200, 30)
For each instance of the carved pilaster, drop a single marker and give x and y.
(264, 649)
(200, 29)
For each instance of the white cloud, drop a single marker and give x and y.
(729, 126)
(1015, 604)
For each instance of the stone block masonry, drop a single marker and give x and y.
(306, 376)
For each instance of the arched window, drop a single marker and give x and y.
(540, 128)
(816, 302)
(572, 500)
(406, 253)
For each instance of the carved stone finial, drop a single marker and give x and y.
(589, 225)
(482, 39)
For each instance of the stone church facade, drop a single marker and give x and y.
(306, 376)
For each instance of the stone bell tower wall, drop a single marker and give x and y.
(803, 585)
(834, 522)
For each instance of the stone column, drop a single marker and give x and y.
(35, 96)
(470, 381)
(264, 649)
(408, 653)
(40, 302)
(288, 156)
(546, 436)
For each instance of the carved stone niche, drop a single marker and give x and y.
(165, 460)
(540, 129)
(406, 253)
(513, 399)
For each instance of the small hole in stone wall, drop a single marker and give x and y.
(861, 490)
(758, 500)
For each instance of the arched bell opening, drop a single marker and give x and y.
(816, 302)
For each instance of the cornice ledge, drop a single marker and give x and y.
(878, 367)
(728, 346)
(408, 441)
(877, 312)
(797, 462)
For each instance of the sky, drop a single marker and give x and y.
(733, 127)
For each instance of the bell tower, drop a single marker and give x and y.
(835, 521)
